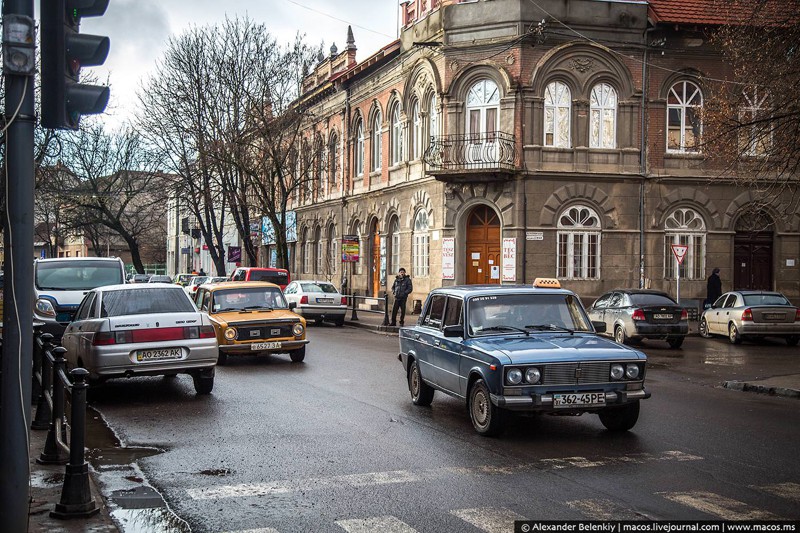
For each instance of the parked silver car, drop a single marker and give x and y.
(753, 315)
(317, 300)
(142, 330)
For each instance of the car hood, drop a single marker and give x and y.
(553, 347)
(232, 317)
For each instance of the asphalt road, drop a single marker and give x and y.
(334, 444)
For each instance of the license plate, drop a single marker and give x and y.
(265, 346)
(324, 300)
(158, 355)
(659, 316)
(585, 399)
(774, 316)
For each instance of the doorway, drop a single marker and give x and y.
(752, 252)
(483, 259)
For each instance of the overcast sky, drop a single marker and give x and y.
(139, 30)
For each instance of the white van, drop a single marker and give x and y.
(59, 285)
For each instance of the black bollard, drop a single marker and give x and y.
(76, 494)
(355, 315)
(43, 412)
(36, 375)
(53, 454)
(385, 308)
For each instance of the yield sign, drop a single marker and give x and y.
(679, 250)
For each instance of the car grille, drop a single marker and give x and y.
(263, 330)
(576, 373)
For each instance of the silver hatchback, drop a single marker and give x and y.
(752, 314)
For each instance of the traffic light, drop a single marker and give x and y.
(64, 52)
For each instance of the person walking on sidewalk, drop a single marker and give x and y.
(713, 287)
(401, 288)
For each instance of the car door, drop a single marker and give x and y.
(713, 317)
(448, 349)
(614, 312)
(428, 332)
(597, 311)
(729, 311)
(71, 340)
(290, 292)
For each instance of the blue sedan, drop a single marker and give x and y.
(520, 348)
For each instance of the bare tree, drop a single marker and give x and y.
(753, 119)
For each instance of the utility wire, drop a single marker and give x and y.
(341, 20)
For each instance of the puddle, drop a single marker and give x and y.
(149, 520)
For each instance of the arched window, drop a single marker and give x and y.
(483, 111)
(603, 117)
(433, 119)
(358, 164)
(684, 122)
(755, 138)
(578, 253)
(308, 251)
(397, 135)
(319, 254)
(333, 160)
(416, 131)
(376, 140)
(357, 266)
(330, 260)
(394, 242)
(557, 115)
(421, 244)
(320, 166)
(685, 226)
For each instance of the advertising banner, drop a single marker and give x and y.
(234, 254)
(268, 232)
(350, 249)
(510, 259)
(448, 258)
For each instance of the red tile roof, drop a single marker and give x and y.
(712, 11)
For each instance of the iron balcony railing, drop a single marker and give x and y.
(475, 151)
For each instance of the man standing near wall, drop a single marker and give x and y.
(401, 288)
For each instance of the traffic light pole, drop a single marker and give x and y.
(15, 382)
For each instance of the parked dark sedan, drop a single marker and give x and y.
(520, 348)
(637, 314)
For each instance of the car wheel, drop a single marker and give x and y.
(421, 392)
(620, 336)
(203, 381)
(222, 358)
(675, 342)
(733, 334)
(792, 340)
(340, 322)
(620, 418)
(298, 355)
(704, 329)
(486, 418)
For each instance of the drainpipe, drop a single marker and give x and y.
(643, 131)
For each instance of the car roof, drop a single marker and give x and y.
(751, 292)
(469, 291)
(239, 285)
(137, 287)
(81, 258)
(313, 281)
(642, 291)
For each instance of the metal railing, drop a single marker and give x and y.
(66, 442)
(353, 303)
(478, 151)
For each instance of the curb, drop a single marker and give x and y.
(761, 389)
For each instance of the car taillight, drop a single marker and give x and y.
(638, 315)
(797, 316)
(684, 314)
(304, 299)
(747, 315)
(207, 332)
(103, 338)
(344, 300)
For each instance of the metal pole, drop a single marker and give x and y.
(15, 383)
(678, 277)
(354, 317)
(385, 308)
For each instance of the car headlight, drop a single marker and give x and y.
(514, 376)
(533, 375)
(45, 308)
(632, 371)
(298, 329)
(230, 333)
(617, 371)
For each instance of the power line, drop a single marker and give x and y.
(341, 20)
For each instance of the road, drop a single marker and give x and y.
(334, 444)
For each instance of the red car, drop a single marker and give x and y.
(278, 276)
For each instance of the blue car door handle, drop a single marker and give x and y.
(437, 343)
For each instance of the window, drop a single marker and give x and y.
(433, 119)
(416, 131)
(394, 232)
(603, 117)
(483, 106)
(684, 125)
(452, 315)
(421, 244)
(397, 136)
(557, 111)
(307, 252)
(376, 146)
(333, 161)
(685, 226)
(359, 155)
(756, 137)
(357, 265)
(435, 311)
(578, 253)
(319, 253)
(331, 259)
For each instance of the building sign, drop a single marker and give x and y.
(510, 259)
(268, 232)
(534, 235)
(448, 258)
(383, 263)
(350, 248)
(234, 254)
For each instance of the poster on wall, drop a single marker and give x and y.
(448, 258)
(234, 254)
(350, 248)
(510, 259)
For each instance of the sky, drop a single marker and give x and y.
(140, 29)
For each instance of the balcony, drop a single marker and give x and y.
(488, 156)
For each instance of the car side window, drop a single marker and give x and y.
(602, 302)
(720, 301)
(730, 302)
(452, 315)
(616, 300)
(86, 306)
(435, 311)
(290, 289)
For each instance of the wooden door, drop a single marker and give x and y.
(752, 261)
(483, 247)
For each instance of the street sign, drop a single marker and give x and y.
(680, 252)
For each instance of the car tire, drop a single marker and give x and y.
(222, 358)
(339, 322)
(620, 418)
(792, 340)
(487, 419)
(733, 334)
(675, 342)
(703, 329)
(421, 392)
(203, 381)
(298, 355)
(620, 336)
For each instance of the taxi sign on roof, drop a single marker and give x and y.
(547, 283)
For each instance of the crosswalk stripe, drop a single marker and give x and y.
(717, 505)
(790, 491)
(603, 510)
(259, 530)
(489, 519)
(384, 524)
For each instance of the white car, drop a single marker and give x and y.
(317, 301)
(191, 287)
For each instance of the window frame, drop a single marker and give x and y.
(682, 232)
(396, 132)
(420, 239)
(587, 237)
(683, 105)
(557, 107)
(600, 109)
(376, 142)
(358, 164)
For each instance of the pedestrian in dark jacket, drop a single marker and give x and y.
(401, 288)
(713, 287)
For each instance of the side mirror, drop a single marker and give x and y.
(292, 306)
(599, 327)
(453, 331)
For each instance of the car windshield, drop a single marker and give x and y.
(765, 299)
(651, 299)
(518, 313)
(145, 301)
(318, 287)
(77, 275)
(244, 299)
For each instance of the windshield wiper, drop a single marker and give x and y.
(226, 309)
(550, 327)
(503, 328)
(249, 307)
